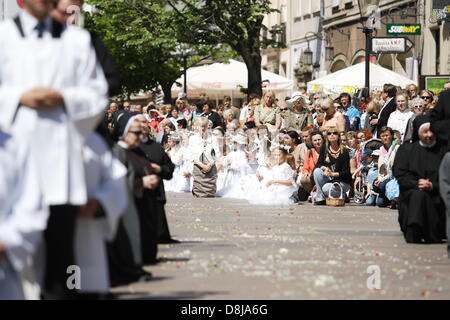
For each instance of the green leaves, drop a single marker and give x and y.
(143, 37)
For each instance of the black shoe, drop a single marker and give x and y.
(146, 277)
(320, 203)
(168, 241)
(413, 234)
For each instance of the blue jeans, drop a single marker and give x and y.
(381, 200)
(325, 186)
(373, 200)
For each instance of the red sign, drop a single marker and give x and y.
(20, 3)
(372, 59)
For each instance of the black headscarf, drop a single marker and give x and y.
(121, 124)
(417, 123)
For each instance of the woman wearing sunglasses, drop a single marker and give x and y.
(417, 106)
(333, 118)
(135, 243)
(333, 166)
(428, 98)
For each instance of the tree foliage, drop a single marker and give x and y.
(238, 23)
(145, 43)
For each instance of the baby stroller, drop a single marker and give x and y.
(361, 179)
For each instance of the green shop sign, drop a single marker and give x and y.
(403, 29)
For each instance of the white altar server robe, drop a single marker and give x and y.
(23, 217)
(69, 65)
(106, 182)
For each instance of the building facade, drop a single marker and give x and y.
(332, 31)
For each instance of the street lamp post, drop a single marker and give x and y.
(307, 58)
(367, 8)
(368, 33)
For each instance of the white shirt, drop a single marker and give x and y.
(244, 113)
(199, 146)
(399, 120)
(68, 65)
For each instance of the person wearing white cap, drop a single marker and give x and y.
(300, 117)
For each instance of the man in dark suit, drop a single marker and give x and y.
(388, 95)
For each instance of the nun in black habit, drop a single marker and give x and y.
(416, 167)
(163, 166)
(135, 243)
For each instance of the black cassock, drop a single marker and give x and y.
(421, 213)
(156, 154)
(135, 243)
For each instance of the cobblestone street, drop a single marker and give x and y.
(234, 250)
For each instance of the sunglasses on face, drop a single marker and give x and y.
(425, 97)
(138, 133)
(418, 107)
(282, 110)
(334, 133)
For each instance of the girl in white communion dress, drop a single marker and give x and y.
(278, 183)
(182, 175)
(237, 170)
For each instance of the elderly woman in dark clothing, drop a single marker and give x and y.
(416, 167)
(135, 243)
(163, 166)
(332, 172)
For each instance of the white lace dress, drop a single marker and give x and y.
(276, 194)
(179, 183)
(236, 170)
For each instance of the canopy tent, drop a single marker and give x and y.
(219, 79)
(353, 77)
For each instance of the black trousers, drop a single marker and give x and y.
(59, 240)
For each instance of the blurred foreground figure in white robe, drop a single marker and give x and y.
(98, 220)
(53, 92)
(23, 217)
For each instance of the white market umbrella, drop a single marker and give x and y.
(220, 79)
(353, 77)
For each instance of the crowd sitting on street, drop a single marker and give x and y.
(84, 191)
(305, 148)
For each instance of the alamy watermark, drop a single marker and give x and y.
(374, 280)
(74, 280)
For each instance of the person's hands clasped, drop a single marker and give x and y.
(157, 167)
(42, 98)
(150, 181)
(326, 171)
(206, 168)
(89, 209)
(425, 184)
